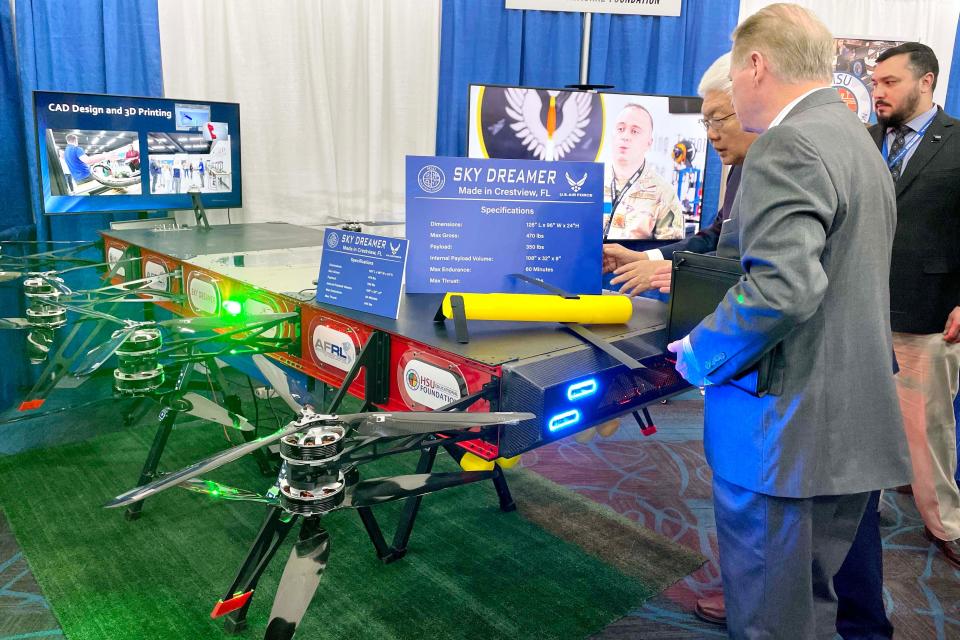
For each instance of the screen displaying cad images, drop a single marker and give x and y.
(179, 161)
(93, 162)
(191, 117)
(653, 148)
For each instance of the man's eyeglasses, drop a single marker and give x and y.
(716, 123)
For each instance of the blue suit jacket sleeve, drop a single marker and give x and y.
(787, 205)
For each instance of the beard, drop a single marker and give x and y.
(899, 116)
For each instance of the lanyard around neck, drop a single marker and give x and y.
(907, 147)
(617, 196)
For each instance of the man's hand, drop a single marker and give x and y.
(661, 277)
(636, 276)
(686, 364)
(616, 256)
(951, 332)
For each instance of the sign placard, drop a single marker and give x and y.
(636, 7)
(361, 271)
(473, 222)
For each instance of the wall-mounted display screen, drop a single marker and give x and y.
(654, 149)
(102, 153)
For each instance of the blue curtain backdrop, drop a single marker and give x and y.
(89, 46)
(952, 104)
(94, 46)
(482, 42)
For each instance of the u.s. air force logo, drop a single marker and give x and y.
(575, 185)
(854, 93)
(430, 178)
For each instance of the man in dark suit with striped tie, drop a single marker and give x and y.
(921, 146)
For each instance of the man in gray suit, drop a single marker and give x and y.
(813, 221)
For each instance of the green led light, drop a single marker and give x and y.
(232, 307)
(740, 298)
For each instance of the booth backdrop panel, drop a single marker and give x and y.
(952, 103)
(932, 22)
(92, 46)
(482, 42)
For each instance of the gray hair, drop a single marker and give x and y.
(796, 44)
(717, 78)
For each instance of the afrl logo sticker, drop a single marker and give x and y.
(114, 254)
(429, 385)
(203, 294)
(157, 271)
(333, 347)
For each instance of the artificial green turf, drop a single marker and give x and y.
(471, 571)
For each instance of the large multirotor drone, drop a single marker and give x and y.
(320, 474)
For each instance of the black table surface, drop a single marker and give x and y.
(491, 343)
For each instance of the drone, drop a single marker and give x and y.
(320, 474)
(358, 225)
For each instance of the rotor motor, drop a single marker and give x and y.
(308, 486)
(138, 365)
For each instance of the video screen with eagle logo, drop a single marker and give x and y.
(653, 148)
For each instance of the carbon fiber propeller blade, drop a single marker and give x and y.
(204, 466)
(215, 322)
(201, 407)
(368, 493)
(224, 492)
(387, 425)
(300, 579)
(14, 323)
(100, 354)
(278, 380)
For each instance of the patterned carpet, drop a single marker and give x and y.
(662, 482)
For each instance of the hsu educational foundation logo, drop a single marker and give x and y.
(413, 380)
(431, 178)
(854, 94)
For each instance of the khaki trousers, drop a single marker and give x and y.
(926, 385)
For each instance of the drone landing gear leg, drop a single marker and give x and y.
(168, 415)
(236, 602)
(410, 508)
(232, 403)
(503, 491)
(149, 473)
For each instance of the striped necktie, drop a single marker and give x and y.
(895, 149)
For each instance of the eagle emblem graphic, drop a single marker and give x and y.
(575, 185)
(548, 140)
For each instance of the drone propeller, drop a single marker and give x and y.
(9, 276)
(224, 492)
(440, 420)
(391, 425)
(299, 581)
(95, 358)
(308, 558)
(196, 405)
(14, 323)
(278, 380)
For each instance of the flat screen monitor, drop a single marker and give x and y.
(104, 153)
(654, 149)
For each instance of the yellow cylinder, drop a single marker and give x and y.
(526, 307)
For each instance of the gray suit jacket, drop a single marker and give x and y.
(813, 226)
